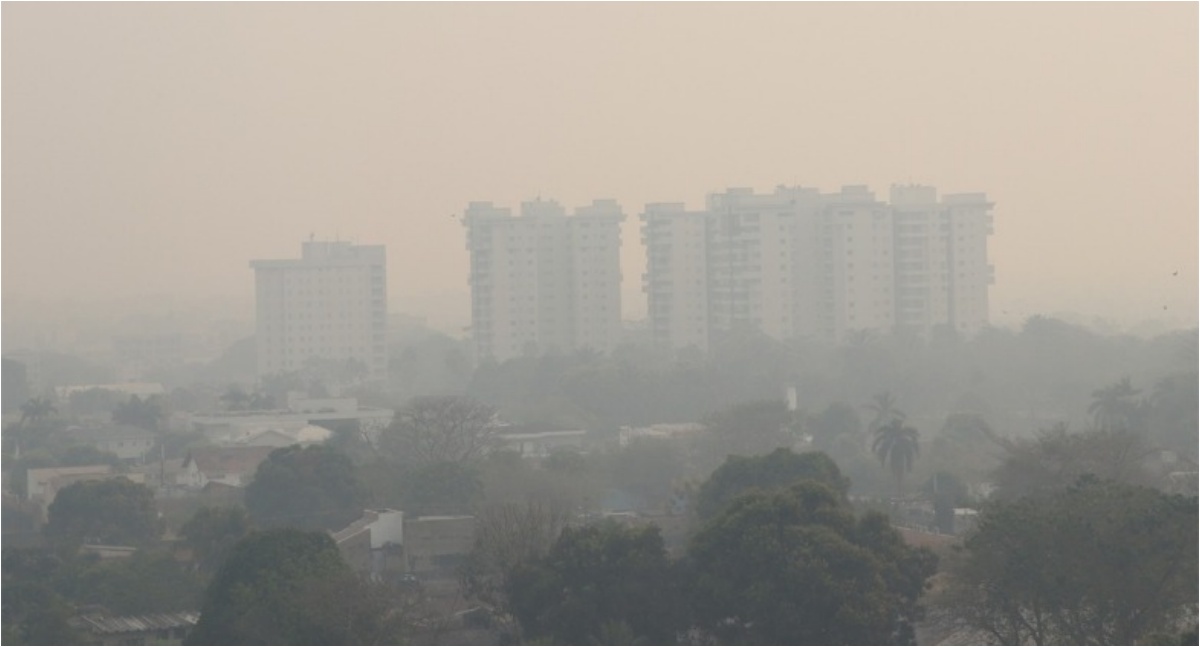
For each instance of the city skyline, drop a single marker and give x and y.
(153, 149)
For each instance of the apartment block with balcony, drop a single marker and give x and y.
(942, 270)
(799, 263)
(544, 281)
(676, 278)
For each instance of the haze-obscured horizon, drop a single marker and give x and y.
(154, 149)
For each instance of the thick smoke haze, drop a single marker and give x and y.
(156, 148)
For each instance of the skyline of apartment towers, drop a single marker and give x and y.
(800, 263)
(792, 263)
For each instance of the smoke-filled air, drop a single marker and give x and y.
(600, 323)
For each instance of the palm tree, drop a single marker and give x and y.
(897, 447)
(884, 408)
(1115, 406)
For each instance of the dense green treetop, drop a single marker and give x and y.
(291, 587)
(149, 413)
(112, 511)
(1097, 563)
(797, 567)
(312, 487)
(597, 582)
(212, 532)
(779, 469)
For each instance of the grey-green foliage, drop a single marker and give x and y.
(291, 587)
(1097, 563)
(778, 469)
(112, 511)
(795, 566)
(596, 582)
(212, 532)
(313, 487)
(1056, 458)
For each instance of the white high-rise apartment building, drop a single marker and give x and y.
(942, 271)
(799, 263)
(544, 281)
(329, 304)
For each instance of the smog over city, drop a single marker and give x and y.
(600, 323)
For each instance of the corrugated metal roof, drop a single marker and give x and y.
(99, 623)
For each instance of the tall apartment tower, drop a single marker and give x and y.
(942, 271)
(544, 281)
(329, 304)
(799, 263)
(676, 278)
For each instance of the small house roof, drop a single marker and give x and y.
(229, 460)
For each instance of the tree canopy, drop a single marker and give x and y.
(149, 414)
(779, 469)
(598, 582)
(112, 511)
(796, 567)
(1056, 458)
(290, 587)
(1098, 563)
(747, 429)
(212, 532)
(312, 487)
(436, 429)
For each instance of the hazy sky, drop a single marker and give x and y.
(155, 148)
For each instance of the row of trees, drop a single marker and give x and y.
(1068, 550)
(780, 557)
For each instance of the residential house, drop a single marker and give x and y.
(383, 541)
(369, 542)
(233, 466)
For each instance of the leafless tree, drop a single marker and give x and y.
(506, 536)
(440, 429)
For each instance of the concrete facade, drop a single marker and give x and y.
(544, 281)
(330, 304)
(800, 263)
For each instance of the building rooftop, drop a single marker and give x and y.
(229, 460)
(102, 623)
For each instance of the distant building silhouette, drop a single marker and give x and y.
(330, 304)
(799, 263)
(544, 281)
